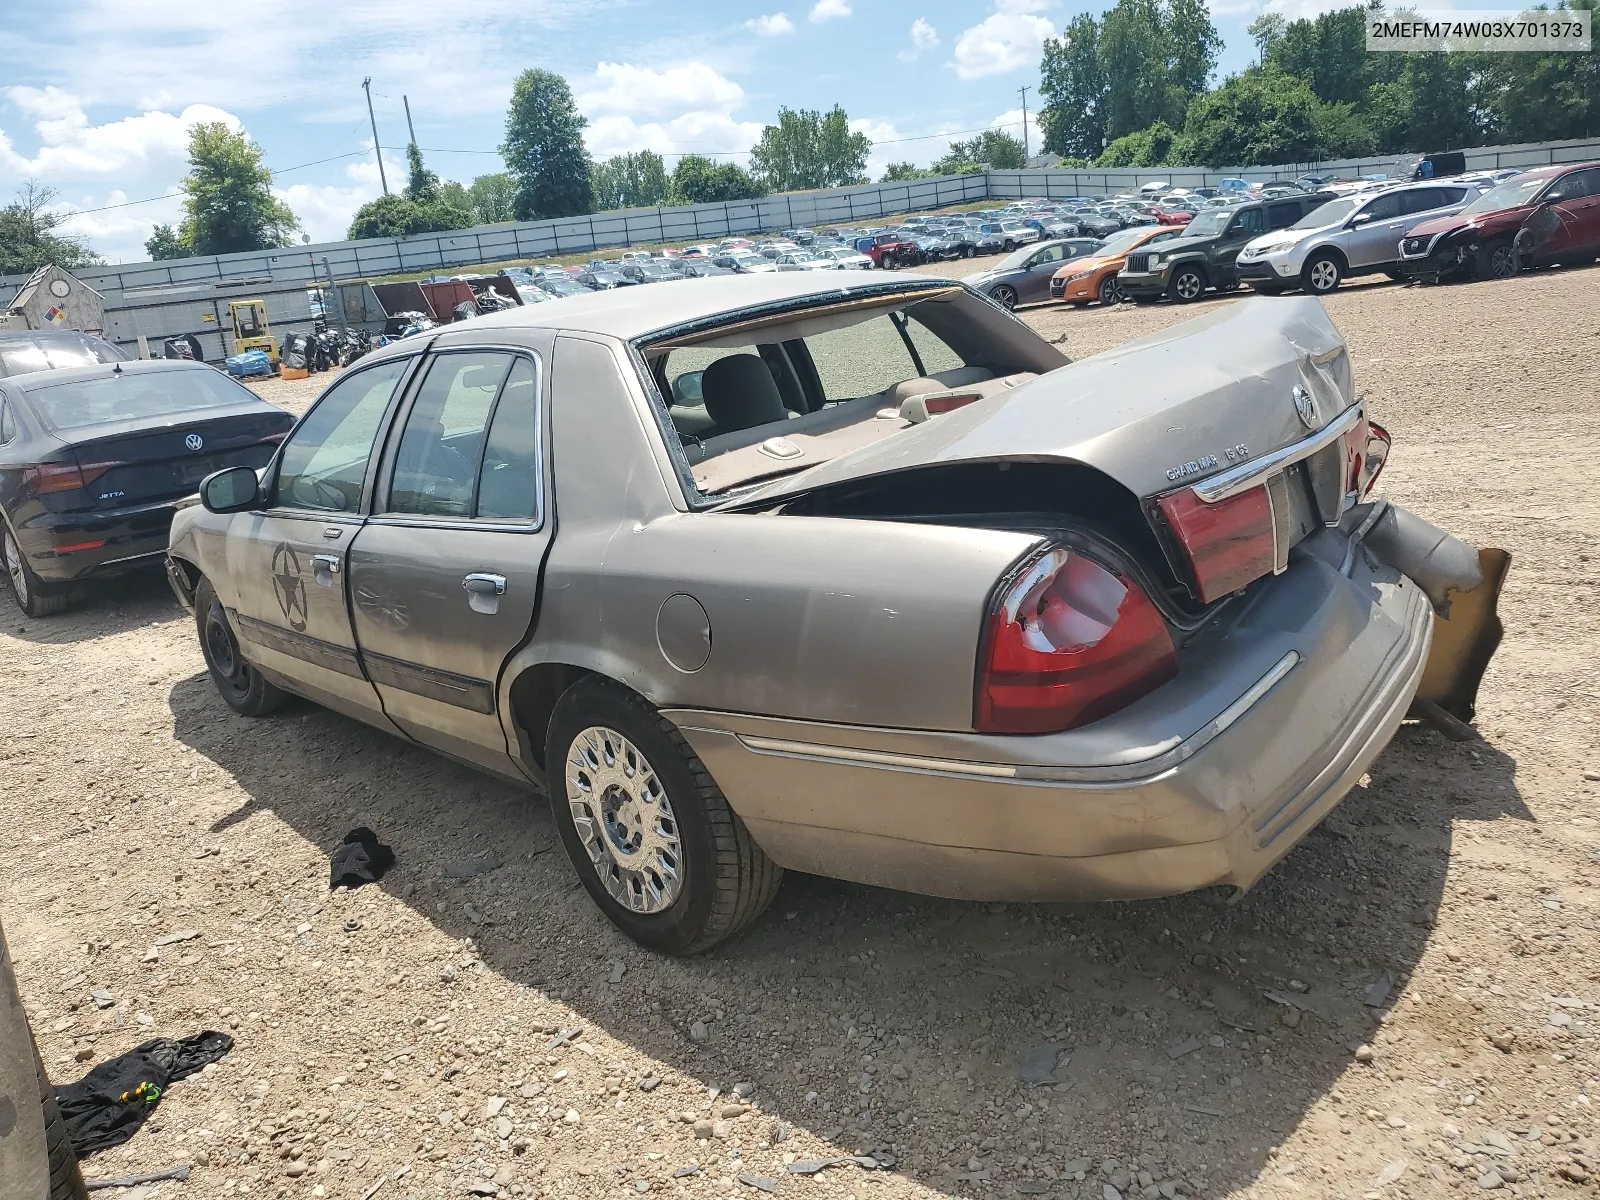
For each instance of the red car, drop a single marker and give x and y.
(1173, 216)
(1543, 216)
(890, 250)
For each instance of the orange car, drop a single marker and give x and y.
(1095, 277)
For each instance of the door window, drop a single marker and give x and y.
(436, 467)
(1384, 208)
(1248, 223)
(1576, 186)
(1281, 216)
(1421, 200)
(509, 486)
(1050, 255)
(324, 462)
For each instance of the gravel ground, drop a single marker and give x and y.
(1406, 1007)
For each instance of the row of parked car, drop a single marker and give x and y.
(1486, 226)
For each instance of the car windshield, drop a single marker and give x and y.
(1208, 224)
(1330, 213)
(1125, 240)
(19, 355)
(134, 395)
(1513, 193)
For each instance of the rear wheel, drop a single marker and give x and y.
(1322, 274)
(32, 596)
(66, 1182)
(1497, 260)
(1187, 285)
(650, 834)
(1005, 296)
(1110, 291)
(242, 687)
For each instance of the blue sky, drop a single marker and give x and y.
(98, 94)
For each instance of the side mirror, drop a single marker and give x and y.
(234, 489)
(1361, 218)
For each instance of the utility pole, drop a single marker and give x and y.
(410, 128)
(366, 85)
(1025, 152)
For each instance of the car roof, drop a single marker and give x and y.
(633, 312)
(150, 366)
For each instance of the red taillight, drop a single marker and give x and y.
(1068, 642)
(1229, 543)
(942, 404)
(75, 547)
(61, 477)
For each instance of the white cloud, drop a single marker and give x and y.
(70, 146)
(640, 91)
(1010, 122)
(1007, 39)
(830, 10)
(924, 37)
(771, 25)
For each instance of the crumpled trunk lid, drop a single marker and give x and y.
(1154, 414)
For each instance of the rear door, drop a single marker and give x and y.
(444, 577)
(284, 583)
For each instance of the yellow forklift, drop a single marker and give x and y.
(250, 329)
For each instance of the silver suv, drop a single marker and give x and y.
(1354, 235)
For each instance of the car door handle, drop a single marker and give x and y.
(323, 568)
(484, 592)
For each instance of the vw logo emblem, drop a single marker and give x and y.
(1306, 405)
(195, 442)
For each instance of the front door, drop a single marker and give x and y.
(1035, 285)
(1249, 223)
(444, 577)
(285, 586)
(1373, 240)
(1575, 199)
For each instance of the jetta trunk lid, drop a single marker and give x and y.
(1176, 407)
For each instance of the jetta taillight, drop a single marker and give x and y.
(1229, 543)
(1068, 642)
(45, 478)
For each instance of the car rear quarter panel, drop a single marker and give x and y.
(809, 617)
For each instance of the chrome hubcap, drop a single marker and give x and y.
(1324, 275)
(1500, 262)
(624, 820)
(19, 581)
(1188, 286)
(1006, 296)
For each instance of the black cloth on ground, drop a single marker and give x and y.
(361, 858)
(106, 1107)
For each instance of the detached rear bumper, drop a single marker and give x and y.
(1277, 712)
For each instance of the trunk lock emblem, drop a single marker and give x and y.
(1305, 404)
(195, 442)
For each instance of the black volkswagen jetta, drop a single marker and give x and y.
(94, 461)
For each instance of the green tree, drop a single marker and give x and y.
(1537, 97)
(808, 149)
(1329, 53)
(1255, 117)
(493, 198)
(992, 150)
(28, 237)
(1265, 31)
(630, 181)
(227, 196)
(1158, 146)
(698, 180)
(422, 185)
(164, 243)
(901, 172)
(401, 216)
(1073, 87)
(544, 149)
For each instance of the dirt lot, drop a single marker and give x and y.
(1407, 1006)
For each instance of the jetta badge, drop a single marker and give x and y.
(1306, 405)
(195, 442)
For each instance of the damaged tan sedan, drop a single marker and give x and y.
(853, 577)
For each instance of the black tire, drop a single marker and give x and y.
(241, 686)
(1143, 299)
(1497, 260)
(1322, 274)
(1004, 295)
(724, 880)
(33, 597)
(1188, 284)
(1110, 291)
(1009, 246)
(66, 1181)
(1267, 289)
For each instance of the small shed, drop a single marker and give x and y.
(54, 298)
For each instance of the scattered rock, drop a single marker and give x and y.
(618, 970)
(1504, 1042)
(698, 1032)
(1491, 1181)
(493, 1105)
(1037, 1065)
(1187, 1046)
(649, 1083)
(758, 1181)
(1391, 1173)
(180, 935)
(1364, 1053)
(1379, 991)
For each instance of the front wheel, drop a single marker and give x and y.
(242, 687)
(1110, 291)
(31, 595)
(1005, 296)
(650, 834)
(1321, 275)
(1009, 246)
(1186, 285)
(1497, 260)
